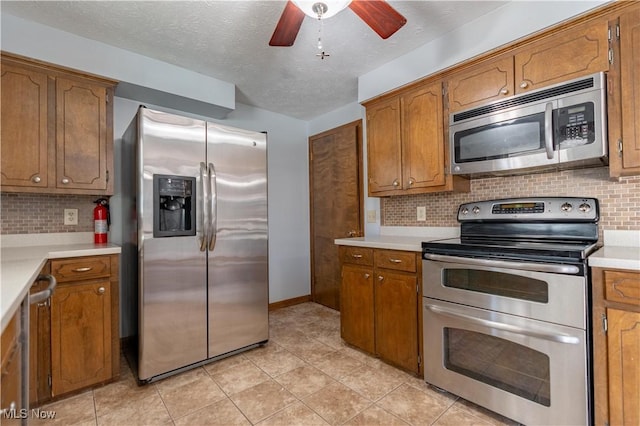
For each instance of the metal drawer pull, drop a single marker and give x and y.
(356, 256)
(366, 276)
(101, 290)
(559, 337)
(44, 294)
(380, 278)
(538, 267)
(395, 260)
(85, 269)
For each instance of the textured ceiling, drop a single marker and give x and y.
(228, 40)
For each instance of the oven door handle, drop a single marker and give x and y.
(560, 338)
(524, 266)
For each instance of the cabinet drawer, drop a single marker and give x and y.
(356, 255)
(393, 259)
(81, 268)
(623, 287)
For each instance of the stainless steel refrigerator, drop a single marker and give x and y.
(201, 241)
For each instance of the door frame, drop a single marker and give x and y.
(359, 146)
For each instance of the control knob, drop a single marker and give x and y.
(566, 207)
(464, 211)
(475, 209)
(585, 208)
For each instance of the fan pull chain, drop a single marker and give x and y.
(320, 34)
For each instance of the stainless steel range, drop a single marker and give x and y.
(506, 308)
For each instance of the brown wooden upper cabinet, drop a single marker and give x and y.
(57, 129)
(406, 148)
(624, 95)
(572, 53)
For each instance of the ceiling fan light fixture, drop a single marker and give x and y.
(322, 9)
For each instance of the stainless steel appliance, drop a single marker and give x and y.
(200, 240)
(560, 126)
(506, 308)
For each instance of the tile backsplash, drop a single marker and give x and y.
(619, 200)
(43, 213)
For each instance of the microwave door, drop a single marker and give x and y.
(512, 140)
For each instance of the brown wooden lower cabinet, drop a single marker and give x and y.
(11, 373)
(616, 343)
(75, 336)
(379, 304)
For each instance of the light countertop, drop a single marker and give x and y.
(621, 250)
(23, 256)
(400, 238)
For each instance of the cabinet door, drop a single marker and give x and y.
(39, 346)
(422, 137)
(396, 318)
(481, 84)
(356, 307)
(384, 146)
(11, 372)
(630, 83)
(81, 135)
(624, 367)
(24, 127)
(571, 54)
(80, 335)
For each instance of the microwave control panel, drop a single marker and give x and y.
(576, 124)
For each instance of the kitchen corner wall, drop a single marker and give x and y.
(41, 213)
(619, 200)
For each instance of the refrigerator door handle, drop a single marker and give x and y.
(213, 218)
(203, 205)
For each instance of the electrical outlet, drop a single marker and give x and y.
(70, 216)
(371, 216)
(421, 214)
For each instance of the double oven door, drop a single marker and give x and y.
(514, 341)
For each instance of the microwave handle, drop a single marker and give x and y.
(548, 129)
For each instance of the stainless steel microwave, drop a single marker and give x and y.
(560, 126)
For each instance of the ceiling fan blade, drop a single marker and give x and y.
(288, 26)
(379, 15)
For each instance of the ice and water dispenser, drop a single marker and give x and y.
(174, 201)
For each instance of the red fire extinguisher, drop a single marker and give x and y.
(101, 221)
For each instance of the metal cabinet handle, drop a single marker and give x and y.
(396, 183)
(85, 269)
(395, 260)
(366, 276)
(356, 256)
(380, 278)
(46, 293)
(65, 181)
(411, 181)
(504, 91)
(36, 179)
(101, 290)
(524, 85)
(352, 233)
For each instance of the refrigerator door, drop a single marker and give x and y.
(238, 264)
(172, 281)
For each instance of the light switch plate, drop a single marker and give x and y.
(70, 216)
(421, 214)
(371, 216)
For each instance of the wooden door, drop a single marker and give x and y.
(336, 205)
(396, 318)
(624, 367)
(25, 133)
(384, 147)
(422, 137)
(574, 53)
(81, 135)
(630, 83)
(80, 335)
(484, 83)
(356, 314)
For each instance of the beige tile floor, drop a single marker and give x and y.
(305, 375)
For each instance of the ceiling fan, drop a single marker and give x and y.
(378, 14)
